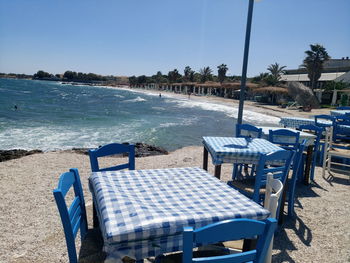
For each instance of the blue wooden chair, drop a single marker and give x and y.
(287, 139)
(74, 217)
(245, 131)
(252, 187)
(318, 148)
(234, 229)
(111, 149)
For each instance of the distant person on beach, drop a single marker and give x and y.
(189, 94)
(160, 95)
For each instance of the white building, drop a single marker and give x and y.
(333, 70)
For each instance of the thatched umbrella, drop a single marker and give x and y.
(271, 90)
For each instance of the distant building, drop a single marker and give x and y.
(333, 69)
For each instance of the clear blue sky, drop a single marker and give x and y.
(134, 37)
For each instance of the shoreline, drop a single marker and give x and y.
(141, 150)
(267, 109)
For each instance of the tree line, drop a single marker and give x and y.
(72, 76)
(189, 75)
(313, 63)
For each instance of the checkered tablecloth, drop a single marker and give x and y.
(294, 122)
(339, 112)
(142, 212)
(237, 150)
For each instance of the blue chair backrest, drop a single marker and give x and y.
(323, 117)
(248, 131)
(339, 133)
(234, 229)
(287, 139)
(278, 163)
(317, 131)
(343, 119)
(74, 217)
(111, 149)
(344, 108)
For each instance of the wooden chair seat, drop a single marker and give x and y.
(342, 145)
(340, 152)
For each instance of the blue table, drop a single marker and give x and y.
(235, 150)
(142, 213)
(295, 122)
(339, 112)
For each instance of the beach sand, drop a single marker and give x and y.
(31, 229)
(270, 110)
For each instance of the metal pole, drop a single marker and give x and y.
(245, 61)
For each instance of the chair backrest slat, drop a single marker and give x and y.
(221, 231)
(233, 229)
(287, 139)
(76, 226)
(65, 183)
(112, 149)
(74, 207)
(323, 117)
(73, 218)
(248, 131)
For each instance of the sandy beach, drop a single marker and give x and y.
(31, 230)
(270, 110)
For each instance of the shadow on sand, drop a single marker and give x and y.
(283, 244)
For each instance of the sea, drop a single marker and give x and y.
(49, 115)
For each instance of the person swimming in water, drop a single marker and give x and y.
(16, 108)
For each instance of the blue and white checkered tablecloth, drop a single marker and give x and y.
(295, 122)
(237, 150)
(142, 212)
(339, 112)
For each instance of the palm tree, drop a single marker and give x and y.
(205, 74)
(159, 77)
(188, 74)
(174, 76)
(315, 57)
(222, 69)
(276, 71)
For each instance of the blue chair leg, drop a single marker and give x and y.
(235, 172)
(300, 174)
(320, 154)
(313, 164)
(292, 186)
